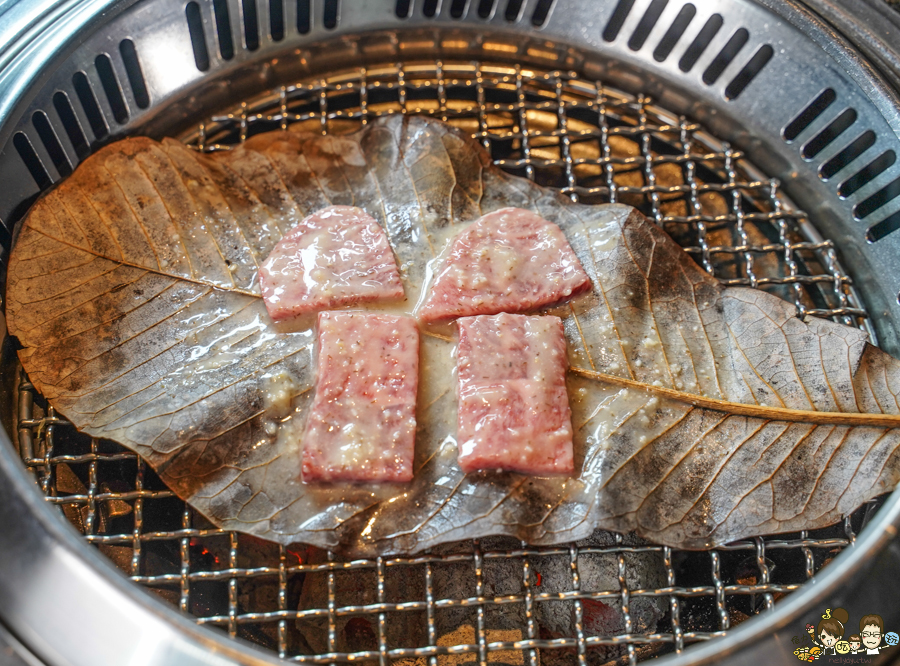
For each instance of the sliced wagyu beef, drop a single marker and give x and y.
(362, 422)
(337, 256)
(510, 260)
(513, 407)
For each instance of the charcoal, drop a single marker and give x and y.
(357, 587)
(502, 577)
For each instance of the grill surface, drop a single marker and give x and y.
(597, 145)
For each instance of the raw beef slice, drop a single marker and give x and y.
(510, 260)
(513, 407)
(336, 256)
(362, 422)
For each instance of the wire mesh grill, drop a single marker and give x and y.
(609, 599)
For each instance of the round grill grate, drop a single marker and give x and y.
(503, 599)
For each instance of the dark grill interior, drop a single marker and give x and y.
(610, 599)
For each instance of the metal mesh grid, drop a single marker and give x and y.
(610, 599)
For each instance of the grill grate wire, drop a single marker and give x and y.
(595, 145)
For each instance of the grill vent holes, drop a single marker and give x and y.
(842, 159)
(51, 143)
(513, 10)
(724, 57)
(701, 41)
(276, 20)
(812, 111)
(89, 103)
(759, 60)
(697, 47)
(888, 225)
(541, 11)
(70, 123)
(648, 21)
(675, 32)
(401, 9)
(198, 38)
(223, 29)
(484, 9)
(617, 20)
(872, 203)
(330, 17)
(860, 145)
(32, 161)
(251, 24)
(330, 14)
(111, 87)
(304, 16)
(50, 131)
(834, 129)
(135, 75)
(867, 174)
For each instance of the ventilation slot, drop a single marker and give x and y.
(198, 38)
(860, 145)
(805, 118)
(617, 20)
(276, 20)
(647, 22)
(304, 16)
(675, 32)
(837, 127)
(485, 8)
(759, 60)
(330, 14)
(513, 10)
(701, 41)
(430, 8)
(89, 104)
(725, 56)
(251, 24)
(32, 161)
(51, 143)
(70, 122)
(135, 75)
(111, 88)
(888, 225)
(541, 12)
(402, 8)
(223, 29)
(882, 197)
(867, 174)
(457, 8)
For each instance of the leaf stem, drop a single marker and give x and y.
(741, 409)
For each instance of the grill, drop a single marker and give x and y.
(584, 124)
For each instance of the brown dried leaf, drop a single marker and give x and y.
(703, 414)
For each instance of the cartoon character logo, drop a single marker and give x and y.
(828, 636)
(807, 654)
(871, 628)
(830, 630)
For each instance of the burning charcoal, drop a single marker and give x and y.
(357, 587)
(115, 508)
(555, 619)
(599, 572)
(67, 483)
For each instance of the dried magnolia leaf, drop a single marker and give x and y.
(703, 414)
